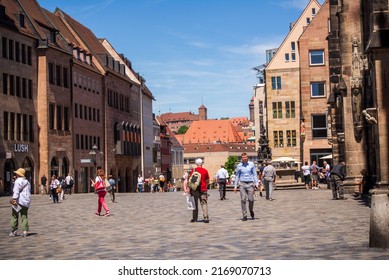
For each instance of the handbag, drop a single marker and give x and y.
(190, 202)
(99, 186)
(107, 184)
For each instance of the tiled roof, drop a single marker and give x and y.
(183, 116)
(209, 131)
(219, 147)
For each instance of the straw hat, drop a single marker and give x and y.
(20, 172)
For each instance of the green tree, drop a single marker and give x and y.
(230, 164)
(182, 129)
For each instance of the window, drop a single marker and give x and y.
(290, 109)
(18, 89)
(17, 51)
(293, 57)
(29, 88)
(11, 49)
(25, 128)
(5, 125)
(313, 11)
(291, 138)
(24, 87)
(316, 57)
(277, 110)
(293, 46)
(11, 85)
(65, 77)
(319, 126)
(276, 82)
(23, 53)
(21, 20)
(278, 138)
(66, 118)
(4, 47)
(308, 20)
(29, 55)
(5, 83)
(318, 89)
(18, 127)
(76, 110)
(31, 127)
(51, 116)
(287, 57)
(59, 118)
(12, 126)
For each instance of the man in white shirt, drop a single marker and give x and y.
(140, 183)
(222, 175)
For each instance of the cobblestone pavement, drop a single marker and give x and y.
(298, 224)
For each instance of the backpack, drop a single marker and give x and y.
(194, 180)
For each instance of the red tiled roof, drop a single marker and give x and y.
(209, 131)
(219, 147)
(183, 116)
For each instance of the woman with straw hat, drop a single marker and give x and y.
(20, 201)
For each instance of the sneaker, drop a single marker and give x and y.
(24, 234)
(107, 214)
(97, 213)
(13, 233)
(244, 219)
(252, 214)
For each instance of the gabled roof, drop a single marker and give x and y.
(279, 55)
(219, 147)
(209, 131)
(176, 117)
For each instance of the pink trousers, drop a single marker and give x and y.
(101, 202)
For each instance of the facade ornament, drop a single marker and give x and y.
(368, 117)
(359, 65)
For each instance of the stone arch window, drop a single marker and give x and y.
(65, 167)
(54, 167)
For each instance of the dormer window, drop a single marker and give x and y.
(52, 37)
(22, 20)
(313, 11)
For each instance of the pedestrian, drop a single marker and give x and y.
(161, 183)
(337, 176)
(69, 183)
(306, 169)
(185, 184)
(222, 176)
(20, 201)
(43, 184)
(247, 180)
(315, 175)
(61, 190)
(113, 187)
(54, 185)
(260, 182)
(101, 192)
(201, 192)
(140, 183)
(151, 183)
(327, 171)
(268, 177)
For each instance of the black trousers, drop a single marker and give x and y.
(222, 188)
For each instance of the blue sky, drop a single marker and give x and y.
(191, 52)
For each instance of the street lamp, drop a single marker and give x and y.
(92, 155)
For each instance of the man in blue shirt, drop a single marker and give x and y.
(247, 180)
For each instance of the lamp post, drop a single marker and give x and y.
(92, 155)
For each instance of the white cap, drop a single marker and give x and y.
(199, 161)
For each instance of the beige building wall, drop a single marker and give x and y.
(283, 90)
(312, 106)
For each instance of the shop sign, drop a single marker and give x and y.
(21, 148)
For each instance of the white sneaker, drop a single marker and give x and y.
(24, 234)
(13, 233)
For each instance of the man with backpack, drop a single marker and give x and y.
(198, 184)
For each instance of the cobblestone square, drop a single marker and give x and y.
(298, 224)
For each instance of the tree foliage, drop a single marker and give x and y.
(182, 129)
(230, 164)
